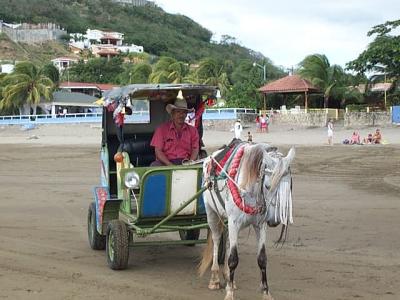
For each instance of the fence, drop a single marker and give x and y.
(301, 117)
(51, 119)
(331, 113)
(209, 114)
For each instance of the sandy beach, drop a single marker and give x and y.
(343, 244)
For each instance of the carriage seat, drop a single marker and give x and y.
(140, 152)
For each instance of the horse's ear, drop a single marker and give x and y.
(290, 156)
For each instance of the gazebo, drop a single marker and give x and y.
(292, 84)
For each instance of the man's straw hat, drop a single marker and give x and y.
(180, 103)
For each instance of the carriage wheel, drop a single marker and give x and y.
(117, 245)
(97, 241)
(192, 234)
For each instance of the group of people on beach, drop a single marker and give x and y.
(375, 138)
(370, 139)
(262, 123)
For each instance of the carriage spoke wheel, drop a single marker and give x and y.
(187, 235)
(117, 245)
(97, 241)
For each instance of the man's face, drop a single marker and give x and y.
(178, 116)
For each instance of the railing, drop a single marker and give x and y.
(332, 113)
(140, 116)
(47, 119)
(226, 113)
(144, 116)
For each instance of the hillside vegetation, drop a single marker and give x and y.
(39, 54)
(160, 33)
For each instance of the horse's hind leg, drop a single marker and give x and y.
(233, 259)
(261, 235)
(216, 227)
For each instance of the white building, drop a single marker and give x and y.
(135, 2)
(132, 48)
(102, 43)
(7, 68)
(62, 63)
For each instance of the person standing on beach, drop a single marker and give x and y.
(330, 132)
(238, 129)
(263, 122)
(258, 125)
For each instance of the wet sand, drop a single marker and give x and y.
(343, 243)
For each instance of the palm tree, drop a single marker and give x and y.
(178, 71)
(25, 88)
(168, 70)
(213, 73)
(317, 69)
(140, 73)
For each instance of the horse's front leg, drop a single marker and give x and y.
(261, 235)
(216, 228)
(233, 259)
(214, 283)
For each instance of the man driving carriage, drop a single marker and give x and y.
(175, 141)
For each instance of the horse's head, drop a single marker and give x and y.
(265, 174)
(277, 187)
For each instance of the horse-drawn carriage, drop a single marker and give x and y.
(247, 184)
(135, 199)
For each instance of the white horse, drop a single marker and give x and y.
(253, 188)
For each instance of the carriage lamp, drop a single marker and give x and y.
(118, 157)
(132, 180)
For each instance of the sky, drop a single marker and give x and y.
(286, 31)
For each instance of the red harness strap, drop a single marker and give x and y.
(233, 187)
(223, 161)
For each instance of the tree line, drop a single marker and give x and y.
(238, 79)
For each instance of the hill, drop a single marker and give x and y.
(160, 33)
(39, 54)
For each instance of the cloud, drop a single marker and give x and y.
(287, 31)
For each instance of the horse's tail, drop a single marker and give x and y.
(208, 252)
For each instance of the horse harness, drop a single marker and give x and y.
(224, 166)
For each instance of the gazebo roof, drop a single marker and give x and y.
(289, 84)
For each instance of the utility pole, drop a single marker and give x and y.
(264, 68)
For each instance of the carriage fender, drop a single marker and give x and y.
(107, 208)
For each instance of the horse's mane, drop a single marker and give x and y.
(251, 164)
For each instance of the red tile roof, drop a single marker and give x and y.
(85, 85)
(109, 37)
(376, 87)
(106, 86)
(65, 58)
(108, 51)
(288, 84)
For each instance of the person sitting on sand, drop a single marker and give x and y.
(377, 137)
(355, 138)
(368, 139)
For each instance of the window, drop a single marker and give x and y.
(140, 112)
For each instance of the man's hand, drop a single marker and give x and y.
(162, 157)
(195, 154)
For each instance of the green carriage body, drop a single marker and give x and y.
(165, 199)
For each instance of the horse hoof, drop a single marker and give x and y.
(214, 286)
(229, 296)
(267, 297)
